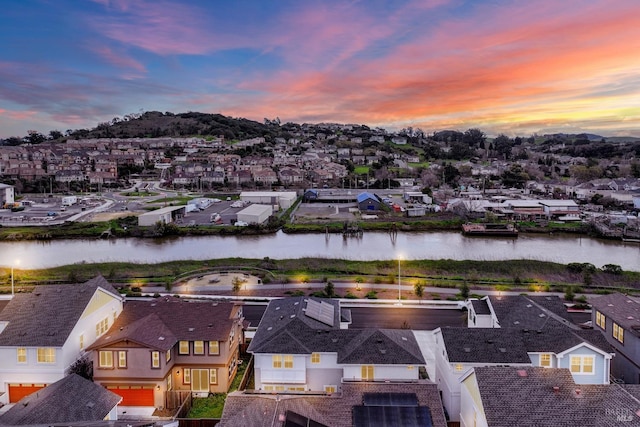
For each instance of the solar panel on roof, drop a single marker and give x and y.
(388, 416)
(390, 399)
(320, 311)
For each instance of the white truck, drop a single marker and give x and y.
(69, 200)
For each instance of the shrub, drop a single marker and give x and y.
(612, 269)
(569, 293)
(349, 295)
(372, 295)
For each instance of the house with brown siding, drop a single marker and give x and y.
(166, 345)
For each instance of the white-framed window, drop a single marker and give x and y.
(276, 361)
(288, 361)
(214, 347)
(367, 372)
(545, 360)
(167, 355)
(200, 380)
(186, 376)
(46, 355)
(184, 347)
(582, 365)
(601, 320)
(315, 357)
(122, 359)
(102, 326)
(213, 376)
(198, 347)
(618, 332)
(21, 354)
(330, 389)
(105, 359)
(458, 367)
(81, 339)
(155, 359)
(169, 382)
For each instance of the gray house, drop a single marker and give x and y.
(617, 316)
(368, 202)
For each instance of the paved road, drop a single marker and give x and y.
(385, 317)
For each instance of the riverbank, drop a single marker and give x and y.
(523, 275)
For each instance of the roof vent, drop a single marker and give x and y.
(502, 350)
(278, 308)
(153, 305)
(334, 340)
(610, 305)
(629, 317)
(529, 306)
(90, 404)
(517, 322)
(292, 316)
(578, 392)
(526, 331)
(296, 303)
(404, 338)
(281, 317)
(269, 328)
(161, 338)
(383, 351)
(192, 329)
(556, 389)
(489, 341)
(522, 373)
(379, 341)
(541, 315)
(210, 325)
(122, 328)
(467, 350)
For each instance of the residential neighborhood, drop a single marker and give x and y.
(142, 359)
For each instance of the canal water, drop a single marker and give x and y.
(371, 246)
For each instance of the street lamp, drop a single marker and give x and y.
(17, 262)
(399, 283)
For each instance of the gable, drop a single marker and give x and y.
(99, 300)
(582, 349)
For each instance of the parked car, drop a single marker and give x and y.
(241, 224)
(51, 213)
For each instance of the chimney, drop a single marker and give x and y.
(556, 390)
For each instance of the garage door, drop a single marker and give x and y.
(18, 391)
(134, 395)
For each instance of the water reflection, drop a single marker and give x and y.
(370, 246)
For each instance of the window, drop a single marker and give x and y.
(187, 376)
(601, 320)
(46, 355)
(122, 359)
(81, 341)
(198, 347)
(22, 355)
(200, 380)
(167, 356)
(367, 372)
(102, 326)
(458, 367)
(329, 389)
(184, 347)
(213, 376)
(169, 382)
(315, 357)
(214, 347)
(155, 359)
(277, 361)
(106, 359)
(618, 332)
(288, 361)
(545, 360)
(582, 364)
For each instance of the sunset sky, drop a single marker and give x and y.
(505, 66)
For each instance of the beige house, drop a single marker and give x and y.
(169, 345)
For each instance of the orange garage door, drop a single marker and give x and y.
(18, 391)
(134, 395)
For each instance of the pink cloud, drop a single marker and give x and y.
(119, 60)
(17, 115)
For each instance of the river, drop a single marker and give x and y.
(372, 246)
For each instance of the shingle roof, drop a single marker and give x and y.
(162, 322)
(512, 345)
(250, 410)
(519, 311)
(285, 329)
(625, 311)
(70, 399)
(484, 345)
(527, 397)
(46, 316)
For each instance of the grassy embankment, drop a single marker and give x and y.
(524, 275)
